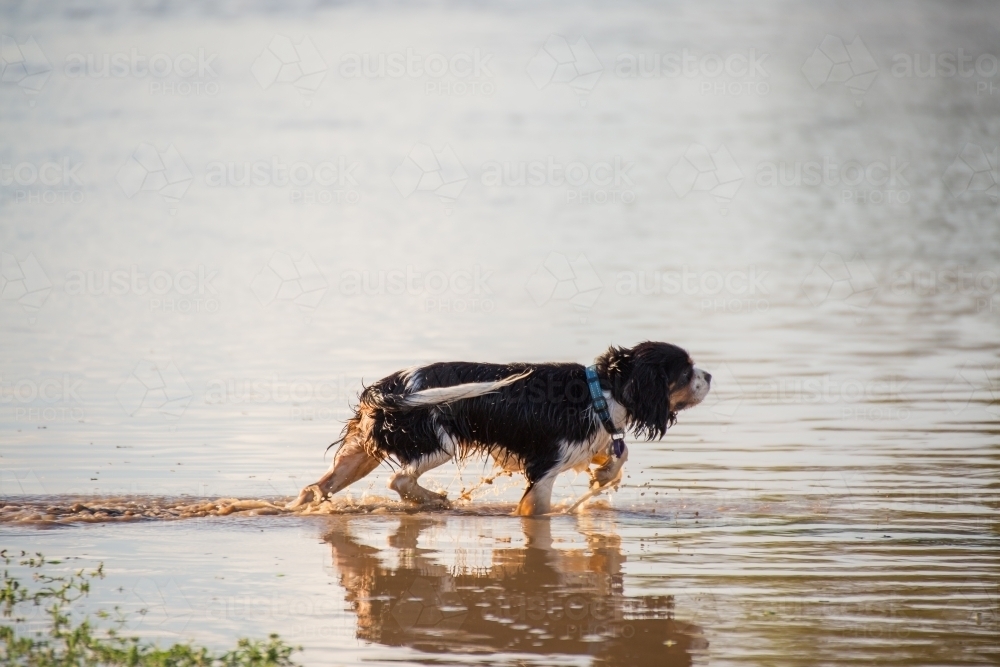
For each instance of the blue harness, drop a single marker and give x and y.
(601, 406)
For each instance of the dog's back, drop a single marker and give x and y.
(510, 410)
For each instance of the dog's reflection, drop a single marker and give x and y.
(531, 599)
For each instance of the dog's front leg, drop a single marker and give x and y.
(351, 463)
(609, 472)
(538, 498)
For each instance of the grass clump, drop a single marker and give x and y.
(61, 642)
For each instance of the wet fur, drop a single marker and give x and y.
(534, 418)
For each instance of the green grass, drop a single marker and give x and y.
(65, 643)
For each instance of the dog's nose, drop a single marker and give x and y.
(708, 378)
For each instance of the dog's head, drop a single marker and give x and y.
(653, 382)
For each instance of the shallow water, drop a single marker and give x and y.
(835, 498)
(770, 581)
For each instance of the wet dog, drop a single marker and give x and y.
(537, 419)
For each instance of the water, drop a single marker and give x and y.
(834, 496)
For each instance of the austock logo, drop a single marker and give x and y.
(974, 385)
(949, 65)
(701, 170)
(149, 170)
(425, 606)
(973, 170)
(850, 282)
(459, 74)
(833, 61)
(734, 291)
(50, 182)
(427, 170)
(153, 387)
(457, 291)
(559, 62)
(730, 75)
(194, 71)
(20, 482)
(602, 182)
(331, 181)
(285, 278)
(23, 64)
(164, 605)
(59, 397)
(25, 282)
(559, 279)
(870, 182)
(184, 291)
(306, 399)
(436, 605)
(871, 399)
(727, 395)
(285, 62)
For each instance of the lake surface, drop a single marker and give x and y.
(733, 180)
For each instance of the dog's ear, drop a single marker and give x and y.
(646, 396)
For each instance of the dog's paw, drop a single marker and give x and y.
(307, 496)
(605, 476)
(610, 473)
(440, 500)
(600, 479)
(432, 501)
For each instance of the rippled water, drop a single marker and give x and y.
(835, 497)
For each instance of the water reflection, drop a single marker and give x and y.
(534, 599)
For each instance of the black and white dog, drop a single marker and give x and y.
(538, 419)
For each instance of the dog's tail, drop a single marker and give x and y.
(458, 392)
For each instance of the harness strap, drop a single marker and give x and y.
(601, 407)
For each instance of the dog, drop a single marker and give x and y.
(536, 419)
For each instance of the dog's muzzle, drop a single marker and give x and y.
(700, 384)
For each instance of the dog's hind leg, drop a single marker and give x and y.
(537, 499)
(405, 484)
(350, 464)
